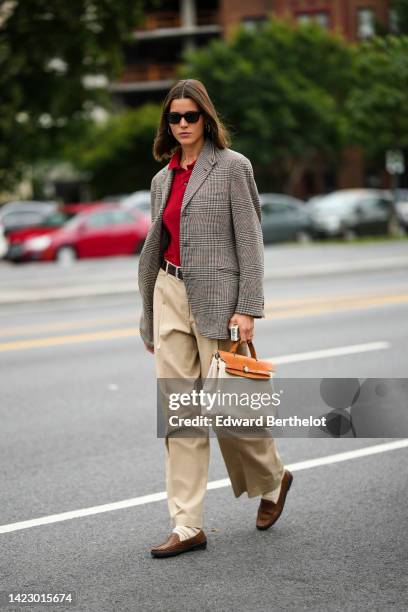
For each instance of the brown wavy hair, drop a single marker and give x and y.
(164, 143)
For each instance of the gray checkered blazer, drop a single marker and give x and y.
(221, 245)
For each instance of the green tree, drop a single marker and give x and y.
(117, 156)
(401, 10)
(49, 51)
(378, 101)
(281, 90)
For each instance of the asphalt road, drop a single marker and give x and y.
(78, 431)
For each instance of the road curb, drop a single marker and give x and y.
(23, 296)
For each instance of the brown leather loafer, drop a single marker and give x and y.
(268, 511)
(173, 546)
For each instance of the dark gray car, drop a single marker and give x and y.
(284, 218)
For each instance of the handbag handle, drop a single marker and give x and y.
(234, 346)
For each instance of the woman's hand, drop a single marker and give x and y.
(245, 324)
(149, 348)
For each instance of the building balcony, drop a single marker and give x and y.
(169, 24)
(144, 78)
(148, 72)
(156, 75)
(164, 19)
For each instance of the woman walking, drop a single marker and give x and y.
(200, 272)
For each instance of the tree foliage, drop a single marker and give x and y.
(281, 90)
(292, 94)
(378, 101)
(48, 48)
(401, 10)
(118, 155)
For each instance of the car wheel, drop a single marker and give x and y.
(66, 255)
(349, 234)
(303, 236)
(394, 228)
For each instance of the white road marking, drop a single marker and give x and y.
(216, 484)
(330, 352)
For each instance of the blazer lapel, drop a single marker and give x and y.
(166, 188)
(202, 168)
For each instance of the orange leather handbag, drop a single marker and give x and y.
(237, 381)
(241, 365)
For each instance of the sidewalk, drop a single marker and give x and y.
(36, 282)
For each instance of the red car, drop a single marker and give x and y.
(100, 231)
(49, 224)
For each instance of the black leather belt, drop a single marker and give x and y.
(172, 269)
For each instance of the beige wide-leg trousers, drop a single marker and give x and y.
(181, 351)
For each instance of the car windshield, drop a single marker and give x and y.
(56, 219)
(75, 220)
(137, 199)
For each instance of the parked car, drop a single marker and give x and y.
(77, 207)
(314, 199)
(115, 198)
(401, 205)
(100, 231)
(25, 213)
(139, 200)
(284, 218)
(3, 242)
(50, 224)
(354, 212)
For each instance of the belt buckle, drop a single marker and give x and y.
(176, 269)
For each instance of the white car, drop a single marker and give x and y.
(401, 205)
(3, 242)
(138, 199)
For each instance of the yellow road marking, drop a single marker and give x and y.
(56, 325)
(294, 309)
(332, 306)
(73, 339)
(271, 306)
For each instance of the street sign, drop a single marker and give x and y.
(394, 161)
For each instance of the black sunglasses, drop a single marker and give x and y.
(190, 116)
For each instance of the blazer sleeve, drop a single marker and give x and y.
(146, 318)
(153, 211)
(246, 215)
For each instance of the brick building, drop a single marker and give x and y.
(176, 25)
(354, 19)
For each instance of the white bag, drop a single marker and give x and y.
(246, 393)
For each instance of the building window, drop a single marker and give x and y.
(320, 17)
(365, 23)
(253, 23)
(393, 21)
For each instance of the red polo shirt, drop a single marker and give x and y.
(172, 211)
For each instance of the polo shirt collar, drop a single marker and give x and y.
(175, 161)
